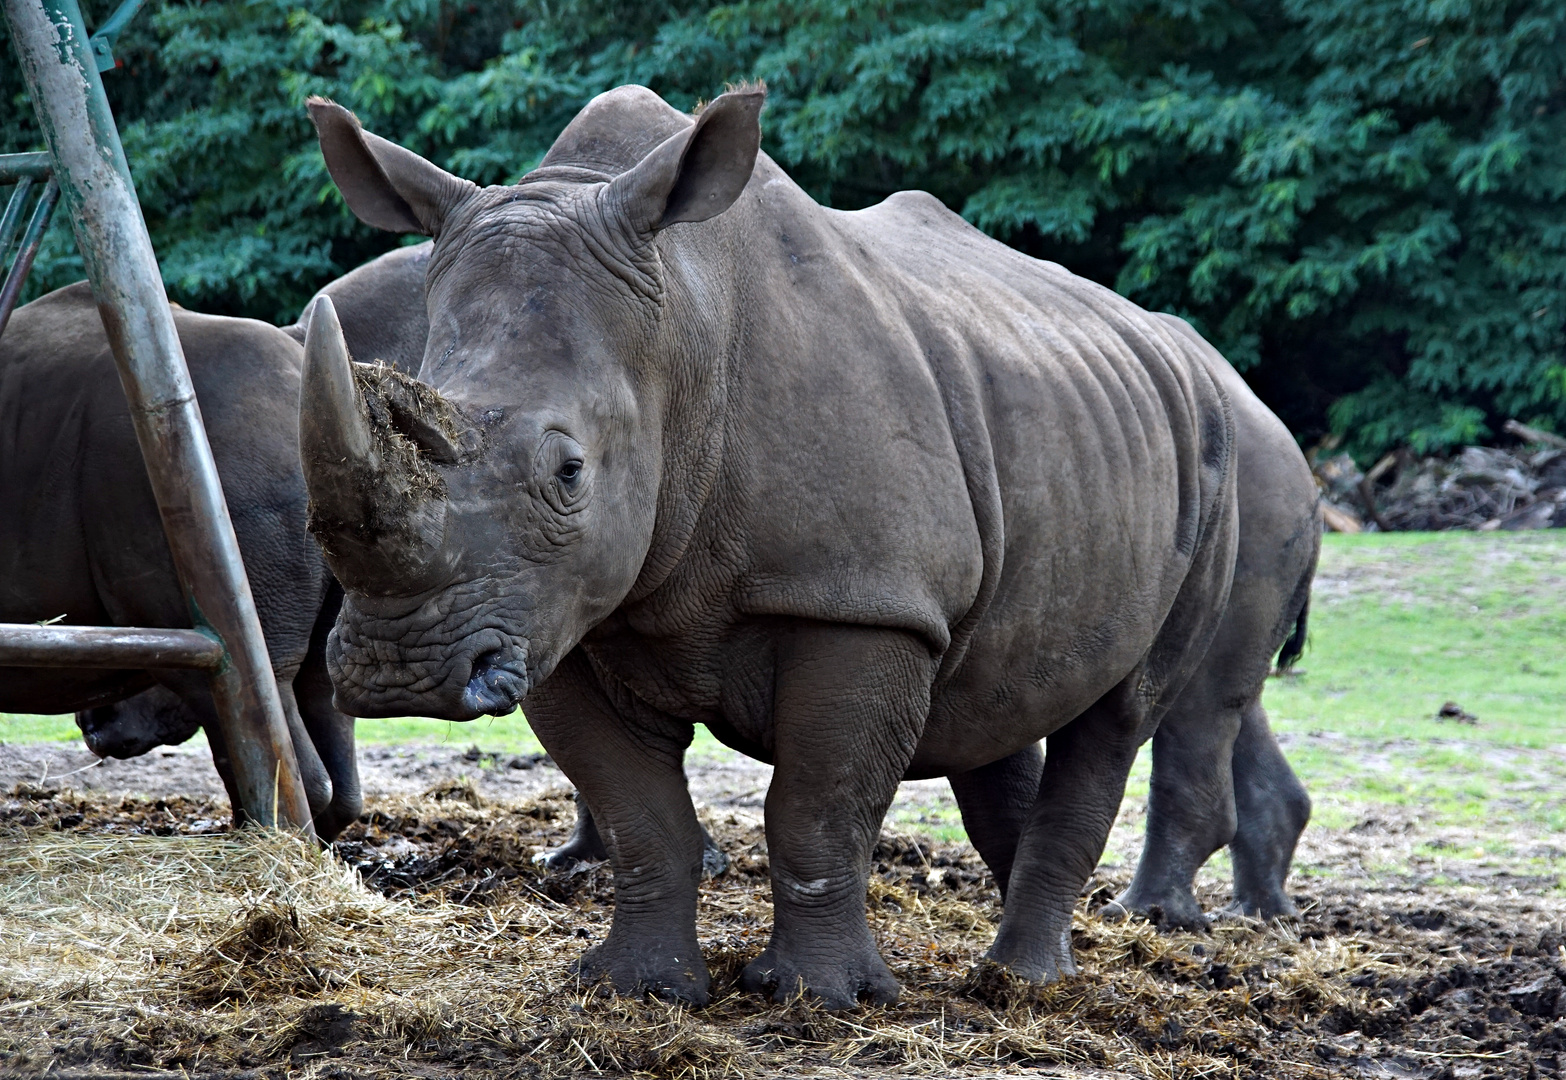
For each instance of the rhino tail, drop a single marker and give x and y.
(1295, 645)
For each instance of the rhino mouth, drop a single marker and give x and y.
(497, 683)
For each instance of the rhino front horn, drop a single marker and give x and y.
(377, 510)
(333, 428)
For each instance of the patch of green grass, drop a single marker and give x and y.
(27, 728)
(1401, 623)
(508, 734)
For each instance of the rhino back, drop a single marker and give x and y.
(381, 307)
(88, 542)
(935, 432)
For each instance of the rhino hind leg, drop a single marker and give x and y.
(585, 847)
(1190, 807)
(1273, 809)
(1084, 777)
(995, 801)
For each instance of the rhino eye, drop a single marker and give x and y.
(562, 471)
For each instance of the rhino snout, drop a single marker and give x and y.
(498, 681)
(402, 667)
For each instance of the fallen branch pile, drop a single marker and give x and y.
(1480, 488)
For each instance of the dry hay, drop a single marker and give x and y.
(429, 945)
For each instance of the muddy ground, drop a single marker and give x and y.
(1412, 973)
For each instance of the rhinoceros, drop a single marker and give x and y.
(382, 307)
(1198, 802)
(869, 494)
(1219, 776)
(83, 538)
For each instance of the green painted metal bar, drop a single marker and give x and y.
(109, 32)
(31, 645)
(13, 214)
(51, 42)
(31, 240)
(31, 166)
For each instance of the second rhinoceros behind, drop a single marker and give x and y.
(869, 494)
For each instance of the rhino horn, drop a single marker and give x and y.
(377, 509)
(334, 431)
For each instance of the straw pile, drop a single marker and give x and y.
(440, 950)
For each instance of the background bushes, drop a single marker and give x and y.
(1359, 201)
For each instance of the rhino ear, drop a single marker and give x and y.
(384, 184)
(699, 172)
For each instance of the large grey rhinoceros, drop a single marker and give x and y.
(869, 494)
(82, 537)
(1218, 774)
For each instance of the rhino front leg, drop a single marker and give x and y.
(849, 706)
(1272, 809)
(996, 800)
(630, 772)
(1085, 768)
(331, 734)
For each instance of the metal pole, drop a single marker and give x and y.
(13, 212)
(31, 240)
(33, 165)
(31, 645)
(51, 42)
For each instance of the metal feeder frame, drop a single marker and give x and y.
(85, 164)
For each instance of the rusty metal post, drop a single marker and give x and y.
(32, 645)
(57, 62)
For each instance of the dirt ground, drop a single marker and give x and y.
(1413, 973)
(726, 782)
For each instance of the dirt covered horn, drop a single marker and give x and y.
(376, 508)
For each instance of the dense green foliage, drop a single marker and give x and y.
(1361, 202)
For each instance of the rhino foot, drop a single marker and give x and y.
(714, 860)
(1266, 906)
(579, 854)
(1166, 909)
(679, 975)
(1037, 958)
(567, 858)
(838, 984)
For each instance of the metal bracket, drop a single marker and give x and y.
(103, 41)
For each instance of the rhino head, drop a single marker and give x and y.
(484, 517)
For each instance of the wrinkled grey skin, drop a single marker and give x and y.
(83, 538)
(1218, 775)
(869, 494)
